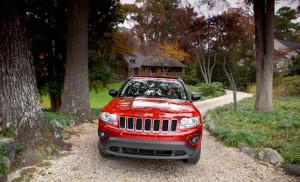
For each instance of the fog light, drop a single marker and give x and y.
(101, 134)
(194, 140)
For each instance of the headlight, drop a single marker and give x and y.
(109, 118)
(189, 122)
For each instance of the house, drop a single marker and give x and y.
(283, 53)
(140, 65)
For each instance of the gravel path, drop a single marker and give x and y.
(217, 163)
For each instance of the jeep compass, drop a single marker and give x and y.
(151, 117)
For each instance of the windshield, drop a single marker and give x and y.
(154, 88)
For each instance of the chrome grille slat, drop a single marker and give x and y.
(147, 125)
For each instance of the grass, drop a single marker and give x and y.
(99, 98)
(279, 130)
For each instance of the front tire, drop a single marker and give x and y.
(195, 159)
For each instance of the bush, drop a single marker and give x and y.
(252, 88)
(207, 90)
(287, 86)
(190, 80)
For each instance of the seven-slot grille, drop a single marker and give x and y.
(148, 125)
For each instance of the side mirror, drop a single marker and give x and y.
(113, 93)
(195, 96)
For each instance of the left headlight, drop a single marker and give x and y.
(189, 122)
(109, 118)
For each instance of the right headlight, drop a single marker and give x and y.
(189, 122)
(109, 118)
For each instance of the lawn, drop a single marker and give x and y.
(100, 98)
(279, 130)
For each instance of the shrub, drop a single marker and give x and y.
(190, 80)
(210, 90)
(287, 86)
(252, 88)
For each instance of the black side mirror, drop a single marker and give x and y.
(113, 93)
(195, 96)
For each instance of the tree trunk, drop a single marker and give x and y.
(75, 98)
(20, 108)
(55, 101)
(230, 78)
(264, 43)
(206, 70)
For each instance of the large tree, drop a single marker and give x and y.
(75, 98)
(20, 110)
(284, 27)
(156, 22)
(47, 26)
(264, 45)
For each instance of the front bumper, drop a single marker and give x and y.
(147, 148)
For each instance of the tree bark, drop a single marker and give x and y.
(230, 78)
(20, 108)
(264, 43)
(206, 70)
(75, 98)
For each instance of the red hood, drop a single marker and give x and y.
(151, 107)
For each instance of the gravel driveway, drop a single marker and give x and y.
(217, 163)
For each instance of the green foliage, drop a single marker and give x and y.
(284, 27)
(3, 150)
(190, 80)
(104, 16)
(208, 90)
(287, 86)
(100, 73)
(52, 116)
(294, 69)
(278, 130)
(9, 132)
(3, 167)
(4, 155)
(235, 137)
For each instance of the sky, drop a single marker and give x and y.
(234, 3)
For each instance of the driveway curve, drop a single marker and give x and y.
(218, 162)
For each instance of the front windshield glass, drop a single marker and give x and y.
(154, 88)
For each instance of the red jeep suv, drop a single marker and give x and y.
(151, 117)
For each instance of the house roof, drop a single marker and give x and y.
(159, 62)
(290, 45)
(291, 48)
